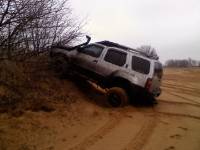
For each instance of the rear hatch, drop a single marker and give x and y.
(156, 80)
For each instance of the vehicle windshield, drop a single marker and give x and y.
(158, 70)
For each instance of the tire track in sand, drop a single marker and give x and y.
(95, 137)
(141, 138)
(178, 103)
(143, 134)
(165, 89)
(187, 99)
(180, 87)
(178, 115)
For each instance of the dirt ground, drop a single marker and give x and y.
(89, 124)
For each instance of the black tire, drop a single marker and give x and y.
(117, 97)
(60, 65)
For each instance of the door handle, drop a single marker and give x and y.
(95, 61)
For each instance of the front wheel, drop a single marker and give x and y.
(61, 66)
(117, 97)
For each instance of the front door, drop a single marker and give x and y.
(88, 57)
(113, 60)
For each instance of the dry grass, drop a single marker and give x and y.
(30, 85)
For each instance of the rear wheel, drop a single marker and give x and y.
(117, 97)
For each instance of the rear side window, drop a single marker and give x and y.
(158, 67)
(158, 70)
(115, 57)
(92, 50)
(140, 65)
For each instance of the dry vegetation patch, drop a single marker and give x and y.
(31, 85)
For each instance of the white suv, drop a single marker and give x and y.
(127, 74)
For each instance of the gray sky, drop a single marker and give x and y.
(170, 26)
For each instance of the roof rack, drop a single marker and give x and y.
(112, 44)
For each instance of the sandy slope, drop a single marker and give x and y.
(89, 124)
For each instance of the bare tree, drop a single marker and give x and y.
(34, 25)
(149, 51)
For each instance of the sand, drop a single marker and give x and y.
(89, 124)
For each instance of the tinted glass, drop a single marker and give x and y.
(158, 70)
(115, 57)
(92, 50)
(140, 65)
(158, 67)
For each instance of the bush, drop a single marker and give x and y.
(12, 83)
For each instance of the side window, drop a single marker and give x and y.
(115, 57)
(158, 67)
(92, 50)
(140, 65)
(158, 70)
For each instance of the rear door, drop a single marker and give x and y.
(140, 69)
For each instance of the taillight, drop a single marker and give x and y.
(148, 84)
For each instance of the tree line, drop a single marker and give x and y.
(182, 63)
(34, 25)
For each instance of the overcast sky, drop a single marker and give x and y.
(170, 26)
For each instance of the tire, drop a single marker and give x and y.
(117, 97)
(60, 65)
